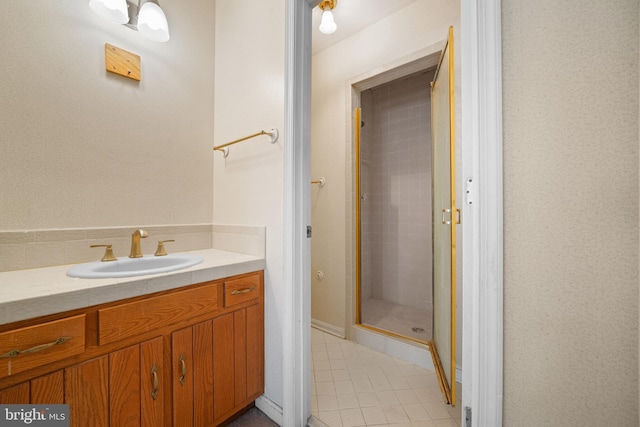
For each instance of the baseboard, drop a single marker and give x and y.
(328, 328)
(270, 409)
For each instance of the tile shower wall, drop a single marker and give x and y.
(396, 192)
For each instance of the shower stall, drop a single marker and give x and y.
(395, 214)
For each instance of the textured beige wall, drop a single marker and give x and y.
(248, 184)
(81, 147)
(570, 94)
(399, 35)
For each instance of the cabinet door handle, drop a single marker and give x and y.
(242, 291)
(14, 353)
(154, 372)
(184, 368)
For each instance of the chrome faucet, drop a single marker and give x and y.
(136, 252)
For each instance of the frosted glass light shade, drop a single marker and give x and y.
(152, 23)
(327, 24)
(113, 10)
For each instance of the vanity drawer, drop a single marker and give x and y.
(134, 318)
(33, 346)
(241, 290)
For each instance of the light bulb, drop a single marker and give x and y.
(327, 24)
(113, 10)
(152, 23)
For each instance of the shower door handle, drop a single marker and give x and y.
(444, 213)
(448, 211)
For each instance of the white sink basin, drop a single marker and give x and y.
(128, 267)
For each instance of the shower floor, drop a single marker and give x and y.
(396, 318)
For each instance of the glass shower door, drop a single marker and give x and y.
(445, 216)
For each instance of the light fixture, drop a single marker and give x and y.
(113, 10)
(327, 23)
(152, 23)
(148, 19)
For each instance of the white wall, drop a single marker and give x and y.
(248, 184)
(390, 40)
(570, 98)
(85, 148)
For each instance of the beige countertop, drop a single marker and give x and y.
(25, 294)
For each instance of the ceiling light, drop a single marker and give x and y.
(148, 19)
(327, 24)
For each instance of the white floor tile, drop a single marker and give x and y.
(327, 403)
(415, 412)
(362, 385)
(448, 422)
(437, 411)
(395, 414)
(374, 416)
(341, 375)
(323, 389)
(322, 365)
(348, 401)
(387, 398)
(352, 417)
(344, 387)
(323, 376)
(367, 399)
(407, 397)
(330, 418)
(353, 386)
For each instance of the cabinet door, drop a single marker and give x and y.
(223, 366)
(15, 395)
(135, 378)
(203, 374)
(124, 387)
(152, 380)
(48, 389)
(86, 392)
(255, 351)
(192, 356)
(238, 359)
(182, 376)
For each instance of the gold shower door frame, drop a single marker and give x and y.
(444, 231)
(447, 382)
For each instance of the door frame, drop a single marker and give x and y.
(482, 233)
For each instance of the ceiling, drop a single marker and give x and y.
(352, 16)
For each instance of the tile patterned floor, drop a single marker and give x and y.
(354, 386)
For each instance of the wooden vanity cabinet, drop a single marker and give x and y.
(193, 356)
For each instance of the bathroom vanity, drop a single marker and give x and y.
(155, 351)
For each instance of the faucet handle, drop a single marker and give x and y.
(108, 253)
(161, 251)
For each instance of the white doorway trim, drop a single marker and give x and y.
(482, 340)
(482, 234)
(296, 341)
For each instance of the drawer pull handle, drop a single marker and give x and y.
(184, 369)
(154, 372)
(242, 291)
(14, 353)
